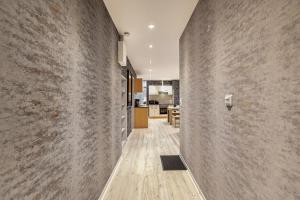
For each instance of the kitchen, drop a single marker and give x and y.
(153, 99)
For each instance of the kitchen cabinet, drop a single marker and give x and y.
(168, 89)
(124, 110)
(153, 110)
(141, 117)
(155, 90)
(138, 85)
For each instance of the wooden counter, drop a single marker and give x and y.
(141, 117)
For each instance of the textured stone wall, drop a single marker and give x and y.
(176, 92)
(59, 99)
(250, 49)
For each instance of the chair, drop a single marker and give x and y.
(175, 119)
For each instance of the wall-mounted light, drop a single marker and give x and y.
(150, 46)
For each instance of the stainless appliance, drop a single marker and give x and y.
(163, 109)
(153, 102)
(136, 103)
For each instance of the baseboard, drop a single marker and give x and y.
(113, 172)
(194, 180)
(110, 178)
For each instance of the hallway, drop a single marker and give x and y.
(140, 175)
(91, 92)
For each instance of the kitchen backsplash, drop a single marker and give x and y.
(162, 98)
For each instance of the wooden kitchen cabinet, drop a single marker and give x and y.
(141, 117)
(138, 85)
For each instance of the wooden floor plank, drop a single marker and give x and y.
(140, 175)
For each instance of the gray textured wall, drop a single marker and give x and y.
(252, 50)
(176, 92)
(59, 99)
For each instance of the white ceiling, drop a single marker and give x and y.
(169, 17)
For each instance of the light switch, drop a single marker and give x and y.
(228, 100)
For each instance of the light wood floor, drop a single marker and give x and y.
(140, 174)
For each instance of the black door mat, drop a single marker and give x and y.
(172, 162)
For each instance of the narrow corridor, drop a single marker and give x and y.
(91, 92)
(140, 174)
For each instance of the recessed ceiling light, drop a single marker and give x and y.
(151, 26)
(150, 46)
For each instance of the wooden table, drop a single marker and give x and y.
(170, 110)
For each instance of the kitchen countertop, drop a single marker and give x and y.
(172, 107)
(142, 107)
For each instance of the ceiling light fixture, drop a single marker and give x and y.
(150, 74)
(151, 26)
(150, 46)
(126, 34)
